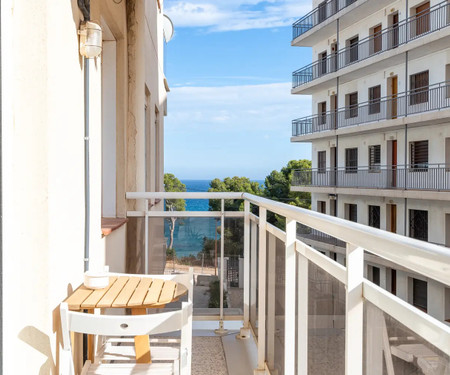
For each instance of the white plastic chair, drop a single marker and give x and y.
(130, 326)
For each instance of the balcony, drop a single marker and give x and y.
(412, 28)
(433, 177)
(307, 313)
(318, 15)
(431, 98)
(307, 235)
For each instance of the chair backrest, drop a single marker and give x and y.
(124, 325)
(186, 279)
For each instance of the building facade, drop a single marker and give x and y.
(380, 128)
(47, 98)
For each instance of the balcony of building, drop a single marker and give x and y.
(321, 22)
(299, 311)
(390, 111)
(425, 181)
(403, 36)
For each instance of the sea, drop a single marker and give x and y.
(190, 232)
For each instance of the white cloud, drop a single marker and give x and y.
(251, 107)
(233, 15)
(232, 130)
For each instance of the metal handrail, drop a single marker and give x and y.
(426, 176)
(318, 15)
(419, 100)
(424, 258)
(436, 18)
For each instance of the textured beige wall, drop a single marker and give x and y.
(43, 177)
(43, 162)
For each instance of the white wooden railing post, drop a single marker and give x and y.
(245, 330)
(354, 310)
(262, 291)
(302, 308)
(146, 238)
(253, 272)
(289, 298)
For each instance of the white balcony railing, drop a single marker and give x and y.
(310, 314)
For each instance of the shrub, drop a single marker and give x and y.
(214, 295)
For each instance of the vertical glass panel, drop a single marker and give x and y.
(195, 242)
(279, 305)
(392, 348)
(234, 266)
(326, 323)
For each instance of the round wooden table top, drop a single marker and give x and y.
(127, 291)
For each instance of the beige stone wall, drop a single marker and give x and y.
(43, 158)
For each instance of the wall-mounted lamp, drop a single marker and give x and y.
(90, 39)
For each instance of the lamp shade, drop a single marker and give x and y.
(90, 40)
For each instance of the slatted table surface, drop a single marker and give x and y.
(133, 292)
(127, 292)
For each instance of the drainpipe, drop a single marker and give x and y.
(84, 6)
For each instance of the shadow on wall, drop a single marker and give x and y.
(40, 341)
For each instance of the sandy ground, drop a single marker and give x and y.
(184, 268)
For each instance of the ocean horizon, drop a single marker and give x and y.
(190, 232)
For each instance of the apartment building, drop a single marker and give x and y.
(77, 134)
(379, 128)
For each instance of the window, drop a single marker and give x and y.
(322, 207)
(418, 224)
(351, 160)
(322, 63)
(322, 110)
(377, 42)
(376, 275)
(351, 212)
(422, 20)
(447, 154)
(351, 101)
(374, 99)
(352, 53)
(419, 156)
(393, 36)
(321, 161)
(374, 216)
(322, 11)
(447, 78)
(374, 158)
(419, 88)
(420, 294)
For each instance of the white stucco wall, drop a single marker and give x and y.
(43, 165)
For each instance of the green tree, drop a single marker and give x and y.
(173, 184)
(234, 184)
(277, 186)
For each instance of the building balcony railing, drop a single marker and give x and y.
(305, 233)
(391, 37)
(324, 11)
(307, 313)
(434, 177)
(424, 99)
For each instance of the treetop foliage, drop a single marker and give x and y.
(173, 184)
(234, 184)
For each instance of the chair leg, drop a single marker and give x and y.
(85, 368)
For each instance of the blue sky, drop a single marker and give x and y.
(229, 68)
